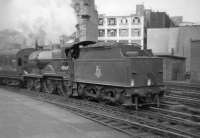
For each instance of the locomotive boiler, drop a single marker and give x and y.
(112, 72)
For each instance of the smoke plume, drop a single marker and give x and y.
(44, 20)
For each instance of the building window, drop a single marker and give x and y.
(123, 32)
(86, 4)
(112, 32)
(136, 41)
(112, 41)
(123, 21)
(101, 21)
(101, 32)
(111, 21)
(136, 20)
(123, 41)
(135, 32)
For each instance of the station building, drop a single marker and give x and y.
(132, 28)
(182, 42)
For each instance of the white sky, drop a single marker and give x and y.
(189, 9)
(56, 17)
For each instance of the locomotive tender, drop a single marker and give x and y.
(113, 72)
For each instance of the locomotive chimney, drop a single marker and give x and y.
(37, 46)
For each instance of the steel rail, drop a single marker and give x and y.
(115, 122)
(124, 125)
(176, 113)
(183, 100)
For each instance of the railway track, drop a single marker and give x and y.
(193, 102)
(132, 125)
(187, 93)
(188, 100)
(183, 86)
(135, 123)
(134, 129)
(147, 116)
(179, 118)
(191, 117)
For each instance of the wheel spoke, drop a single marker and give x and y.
(37, 85)
(49, 86)
(61, 90)
(67, 88)
(30, 84)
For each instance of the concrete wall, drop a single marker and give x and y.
(161, 41)
(176, 41)
(187, 34)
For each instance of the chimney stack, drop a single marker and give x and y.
(87, 17)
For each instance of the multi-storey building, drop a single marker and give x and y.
(181, 41)
(128, 29)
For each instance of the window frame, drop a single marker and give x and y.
(101, 24)
(139, 33)
(138, 20)
(122, 19)
(123, 29)
(110, 21)
(103, 32)
(108, 33)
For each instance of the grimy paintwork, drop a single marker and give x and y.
(115, 72)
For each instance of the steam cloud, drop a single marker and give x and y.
(45, 20)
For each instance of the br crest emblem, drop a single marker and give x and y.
(98, 72)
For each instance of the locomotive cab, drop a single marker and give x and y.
(74, 50)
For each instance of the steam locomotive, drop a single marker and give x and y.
(114, 72)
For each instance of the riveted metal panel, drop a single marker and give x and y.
(108, 72)
(147, 68)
